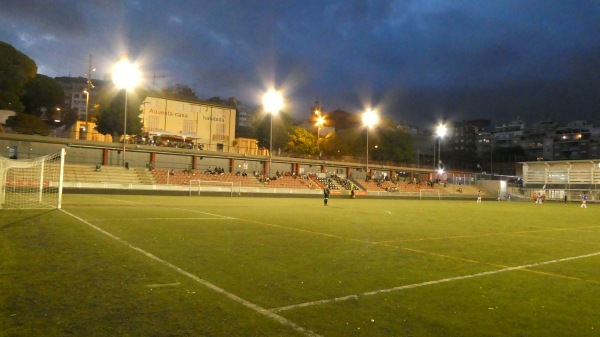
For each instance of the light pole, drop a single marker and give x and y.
(370, 119)
(441, 132)
(87, 109)
(87, 91)
(272, 103)
(320, 121)
(125, 76)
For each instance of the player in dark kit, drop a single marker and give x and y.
(325, 194)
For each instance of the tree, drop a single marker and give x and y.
(41, 94)
(16, 69)
(394, 145)
(301, 141)
(110, 115)
(245, 132)
(28, 124)
(389, 142)
(282, 124)
(348, 142)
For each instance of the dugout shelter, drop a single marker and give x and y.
(559, 179)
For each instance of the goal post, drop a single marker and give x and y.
(429, 194)
(32, 183)
(199, 186)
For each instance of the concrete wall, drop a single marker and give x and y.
(94, 153)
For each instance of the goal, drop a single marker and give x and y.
(198, 186)
(32, 183)
(430, 194)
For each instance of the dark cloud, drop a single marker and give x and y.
(62, 17)
(417, 60)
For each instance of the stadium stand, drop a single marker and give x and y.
(85, 173)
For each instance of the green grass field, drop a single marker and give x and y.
(112, 265)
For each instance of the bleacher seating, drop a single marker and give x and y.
(179, 177)
(85, 173)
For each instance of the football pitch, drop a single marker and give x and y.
(122, 265)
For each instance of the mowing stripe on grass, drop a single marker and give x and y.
(363, 241)
(203, 282)
(428, 283)
(142, 219)
(577, 229)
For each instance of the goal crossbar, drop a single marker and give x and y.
(429, 193)
(196, 187)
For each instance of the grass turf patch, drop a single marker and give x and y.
(64, 277)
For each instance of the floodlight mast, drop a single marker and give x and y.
(272, 103)
(125, 76)
(370, 119)
(441, 132)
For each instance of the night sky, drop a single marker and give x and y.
(418, 61)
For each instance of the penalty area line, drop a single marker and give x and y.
(235, 298)
(143, 219)
(428, 283)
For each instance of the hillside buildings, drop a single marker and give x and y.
(517, 141)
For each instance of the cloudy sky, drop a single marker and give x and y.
(418, 61)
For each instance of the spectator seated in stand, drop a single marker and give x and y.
(98, 168)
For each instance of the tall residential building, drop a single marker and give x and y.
(537, 140)
(508, 135)
(575, 141)
(243, 116)
(75, 96)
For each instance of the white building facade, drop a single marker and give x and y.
(211, 126)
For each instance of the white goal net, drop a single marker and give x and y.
(229, 187)
(32, 183)
(429, 194)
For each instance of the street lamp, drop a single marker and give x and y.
(87, 91)
(441, 132)
(87, 112)
(125, 76)
(272, 103)
(370, 119)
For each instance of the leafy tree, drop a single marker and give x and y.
(28, 124)
(348, 142)
(110, 115)
(245, 132)
(393, 144)
(16, 69)
(69, 117)
(302, 141)
(282, 124)
(41, 93)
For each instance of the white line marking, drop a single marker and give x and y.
(163, 285)
(417, 285)
(205, 283)
(142, 219)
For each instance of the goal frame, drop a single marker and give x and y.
(35, 183)
(198, 185)
(428, 193)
